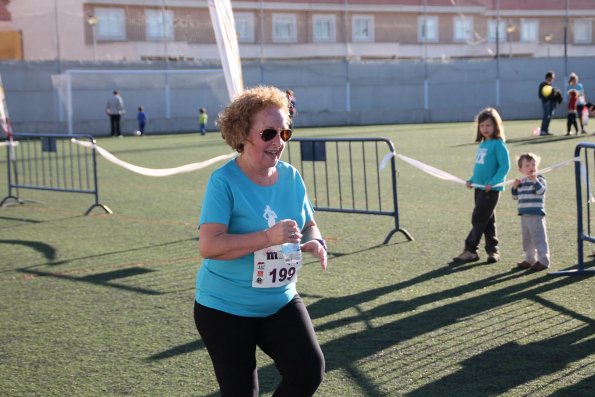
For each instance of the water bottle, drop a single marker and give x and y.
(292, 253)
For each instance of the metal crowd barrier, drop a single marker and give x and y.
(343, 175)
(584, 179)
(51, 162)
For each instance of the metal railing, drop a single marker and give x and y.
(51, 162)
(584, 178)
(344, 175)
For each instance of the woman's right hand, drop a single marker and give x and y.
(284, 231)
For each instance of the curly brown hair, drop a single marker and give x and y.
(235, 121)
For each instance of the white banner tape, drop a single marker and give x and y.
(151, 171)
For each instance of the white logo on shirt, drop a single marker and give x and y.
(270, 216)
(481, 154)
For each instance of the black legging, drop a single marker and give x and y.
(287, 336)
(115, 124)
(571, 121)
(483, 221)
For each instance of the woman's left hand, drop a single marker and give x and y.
(315, 248)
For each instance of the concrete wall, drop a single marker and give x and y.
(328, 93)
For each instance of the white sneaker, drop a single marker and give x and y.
(493, 257)
(466, 256)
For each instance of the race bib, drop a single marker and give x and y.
(276, 266)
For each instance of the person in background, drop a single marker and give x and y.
(203, 118)
(492, 163)
(573, 84)
(529, 191)
(548, 104)
(292, 106)
(115, 109)
(141, 117)
(255, 221)
(571, 116)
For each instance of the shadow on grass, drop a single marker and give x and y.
(532, 140)
(332, 254)
(553, 139)
(582, 388)
(177, 350)
(66, 261)
(345, 352)
(321, 308)
(540, 140)
(8, 218)
(531, 361)
(524, 363)
(26, 222)
(47, 250)
(105, 279)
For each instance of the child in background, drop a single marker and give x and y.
(141, 117)
(292, 107)
(530, 193)
(492, 163)
(573, 84)
(203, 117)
(572, 111)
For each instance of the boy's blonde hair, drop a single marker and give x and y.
(527, 157)
(492, 114)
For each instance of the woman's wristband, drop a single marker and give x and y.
(322, 242)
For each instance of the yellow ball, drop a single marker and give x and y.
(546, 90)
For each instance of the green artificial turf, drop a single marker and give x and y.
(101, 305)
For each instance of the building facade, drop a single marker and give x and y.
(148, 30)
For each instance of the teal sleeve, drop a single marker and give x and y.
(217, 202)
(503, 159)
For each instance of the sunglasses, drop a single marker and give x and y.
(270, 133)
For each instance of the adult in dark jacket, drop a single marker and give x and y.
(548, 103)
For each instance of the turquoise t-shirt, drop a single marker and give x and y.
(492, 163)
(232, 199)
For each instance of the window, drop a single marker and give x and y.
(529, 30)
(244, 26)
(492, 31)
(284, 28)
(427, 29)
(160, 24)
(324, 28)
(582, 31)
(463, 28)
(110, 24)
(362, 28)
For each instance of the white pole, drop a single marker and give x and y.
(426, 85)
(69, 101)
(261, 25)
(94, 28)
(165, 38)
(498, 53)
(347, 82)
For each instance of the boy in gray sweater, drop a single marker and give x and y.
(529, 190)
